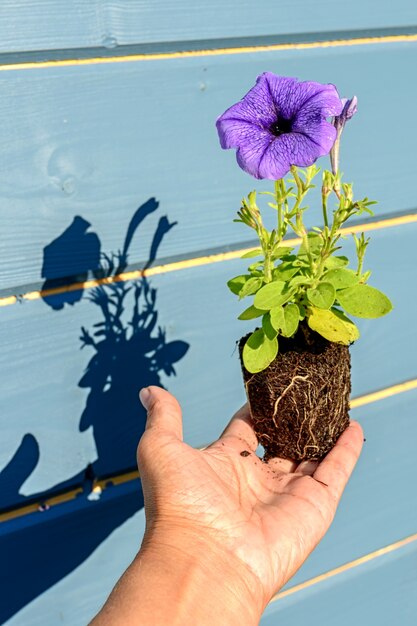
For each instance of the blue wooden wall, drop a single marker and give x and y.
(108, 147)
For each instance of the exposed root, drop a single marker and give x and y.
(286, 390)
(300, 403)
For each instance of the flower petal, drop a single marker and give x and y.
(251, 151)
(290, 96)
(256, 106)
(310, 119)
(276, 160)
(233, 133)
(298, 149)
(320, 132)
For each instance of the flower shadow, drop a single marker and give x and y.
(130, 351)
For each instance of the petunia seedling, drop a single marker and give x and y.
(280, 126)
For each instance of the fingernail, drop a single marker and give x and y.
(144, 397)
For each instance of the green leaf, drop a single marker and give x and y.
(279, 251)
(284, 272)
(267, 327)
(292, 318)
(300, 280)
(250, 287)
(315, 243)
(259, 351)
(252, 253)
(235, 284)
(289, 258)
(285, 319)
(277, 317)
(341, 278)
(366, 276)
(336, 261)
(332, 325)
(252, 197)
(271, 295)
(364, 301)
(251, 313)
(322, 296)
(303, 311)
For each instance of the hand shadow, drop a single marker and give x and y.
(130, 351)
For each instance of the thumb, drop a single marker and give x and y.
(164, 411)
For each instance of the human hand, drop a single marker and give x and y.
(270, 516)
(246, 525)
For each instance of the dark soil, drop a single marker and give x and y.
(300, 402)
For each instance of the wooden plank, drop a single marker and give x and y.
(367, 520)
(380, 592)
(100, 141)
(52, 544)
(48, 25)
(71, 400)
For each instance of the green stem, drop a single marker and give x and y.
(278, 196)
(325, 253)
(267, 267)
(304, 237)
(300, 193)
(301, 231)
(324, 207)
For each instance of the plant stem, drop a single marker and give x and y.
(301, 231)
(267, 266)
(278, 196)
(326, 250)
(324, 206)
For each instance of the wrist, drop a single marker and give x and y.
(199, 582)
(180, 577)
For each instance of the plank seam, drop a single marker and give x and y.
(204, 43)
(346, 567)
(99, 485)
(191, 263)
(160, 56)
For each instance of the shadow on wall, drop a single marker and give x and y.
(130, 351)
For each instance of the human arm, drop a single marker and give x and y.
(224, 530)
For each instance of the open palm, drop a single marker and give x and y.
(266, 516)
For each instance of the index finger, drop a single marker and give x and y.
(337, 466)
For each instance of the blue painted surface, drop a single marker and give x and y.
(39, 550)
(377, 509)
(50, 25)
(74, 394)
(99, 141)
(124, 159)
(380, 592)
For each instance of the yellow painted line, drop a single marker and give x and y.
(7, 301)
(346, 567)
(383, 393)
(195, 262)
(98, 487)
(104, 483)
(160, 56)
(117, 480)
(34, 508)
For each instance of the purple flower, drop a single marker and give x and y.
(279, 123)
